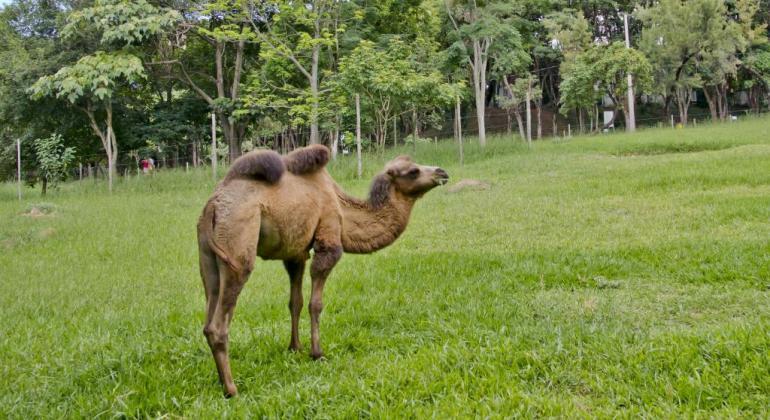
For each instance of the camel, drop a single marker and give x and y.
(282, 207)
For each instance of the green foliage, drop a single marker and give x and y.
(93, 76)
(125, 22)
(53, 159)
(603, 69)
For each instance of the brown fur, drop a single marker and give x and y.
(262, 165)
(256, 213)
(307, 159)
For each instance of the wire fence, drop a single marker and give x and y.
(194, 154)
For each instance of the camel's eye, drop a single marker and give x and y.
(413, 173)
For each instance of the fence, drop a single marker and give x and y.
(189, 156)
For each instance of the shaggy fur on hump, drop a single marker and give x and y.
(380, 191)
(262, 165)
(307, 159)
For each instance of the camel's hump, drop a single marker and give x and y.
(307, 159)
(262, 165)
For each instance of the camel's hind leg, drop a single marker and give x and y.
(296, 270)
(210, 276)
(218, 328)
(240, 248)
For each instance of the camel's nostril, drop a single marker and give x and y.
(441, 173)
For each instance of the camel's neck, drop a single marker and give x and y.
(368, 226)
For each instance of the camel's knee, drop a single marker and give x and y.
(216, 337)
(295, 305)
(315, 307)
(326, 257)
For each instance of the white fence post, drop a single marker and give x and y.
(18, 165)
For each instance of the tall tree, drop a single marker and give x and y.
(91, 85)
(483, 31)
(93, 82)
(298, 32)
(677, 36)
(208, 51)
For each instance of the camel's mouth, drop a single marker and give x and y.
(440, 177)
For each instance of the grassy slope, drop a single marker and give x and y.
(602, 276)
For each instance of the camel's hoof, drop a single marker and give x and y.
(230, 391)
(317, 355)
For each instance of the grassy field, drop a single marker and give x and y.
(617, 275)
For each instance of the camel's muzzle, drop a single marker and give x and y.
(440, 176)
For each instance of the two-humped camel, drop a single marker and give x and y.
(279, 208)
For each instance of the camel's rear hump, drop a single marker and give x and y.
(307, 159)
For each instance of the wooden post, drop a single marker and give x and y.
(358, 135)
(80, 171)
(672, 120)
(18, 166)
(459, 128)
(569, 130)
(214, 146)
(695, 122)
(187, 166)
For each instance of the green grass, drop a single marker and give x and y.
(619, 275)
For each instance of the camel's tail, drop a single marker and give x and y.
(307, 159)
(262, 165)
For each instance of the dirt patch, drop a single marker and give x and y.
(670, 148)
(469, 184)
(40, 210)
(46, 233)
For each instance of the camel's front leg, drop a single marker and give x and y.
(326, 256)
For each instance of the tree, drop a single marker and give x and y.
(53, 160)
(224, 29)
(611, 66)
(298, 33)
(677, 36)
(481, 33)
(91, 85)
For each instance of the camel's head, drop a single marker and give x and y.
(412, 179)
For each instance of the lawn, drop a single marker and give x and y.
(618, 275)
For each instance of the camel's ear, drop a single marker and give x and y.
(392, 172)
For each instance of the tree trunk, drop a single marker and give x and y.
(722, 101)
(358, 135)
(529, 112)
(520, 124)
(712, 104)
(554, 127)
(683, 103)
(414, 130)
(111, 146)
(335, 139)
(479, 73)
(539, 106)
(314, 94)
(395, 132)
(459, 129)
(580, 120)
